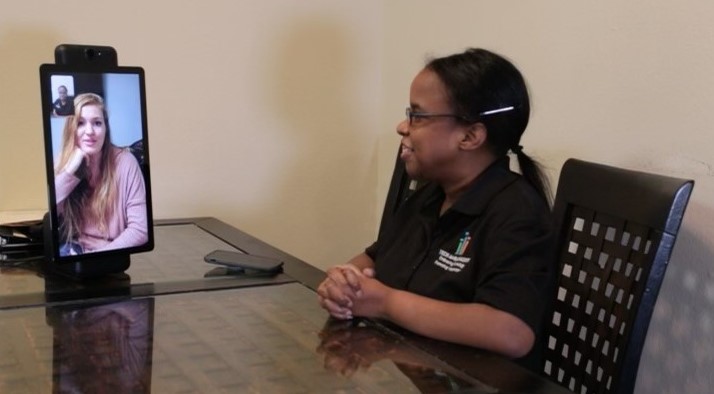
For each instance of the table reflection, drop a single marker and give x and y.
(102, 348)
(349, 347)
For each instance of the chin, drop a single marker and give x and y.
(412, 171)
(91, 151)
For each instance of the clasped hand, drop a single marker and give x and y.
(348, 291)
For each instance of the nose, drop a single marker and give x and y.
(403, 128)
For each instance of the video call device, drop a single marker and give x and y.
(80, 70)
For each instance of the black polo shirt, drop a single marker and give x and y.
(493, 246)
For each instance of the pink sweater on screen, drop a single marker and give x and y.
(128, 225)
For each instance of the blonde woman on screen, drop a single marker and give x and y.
(100, 191)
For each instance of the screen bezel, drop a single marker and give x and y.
(53, 244)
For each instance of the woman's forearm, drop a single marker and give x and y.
(472, 324)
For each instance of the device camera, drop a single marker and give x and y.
(92, 53)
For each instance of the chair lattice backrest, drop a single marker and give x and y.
(616, 233)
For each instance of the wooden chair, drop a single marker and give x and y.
(616, 230)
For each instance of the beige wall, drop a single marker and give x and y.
(262, 114)
(278, 116)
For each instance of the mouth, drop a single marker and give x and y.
(406, 151)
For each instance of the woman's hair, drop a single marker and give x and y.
(86, 204)
(478, 81)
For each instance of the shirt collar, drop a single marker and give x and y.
(485, 187)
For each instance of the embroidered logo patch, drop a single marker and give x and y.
(464, 242)
(450, 262)
(455, 262)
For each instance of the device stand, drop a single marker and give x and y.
(88, 269)
(81, 269)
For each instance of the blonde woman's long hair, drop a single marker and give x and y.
(86, 204)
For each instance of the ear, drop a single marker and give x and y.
(474, 137)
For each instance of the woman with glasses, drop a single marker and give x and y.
(467, 258)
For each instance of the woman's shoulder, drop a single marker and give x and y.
(521, 199)
(123, 157)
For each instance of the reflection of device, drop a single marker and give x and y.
(103, 348)
(81, 241)
(238, 260)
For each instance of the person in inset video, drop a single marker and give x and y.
(468, 257)
(64, 105)
(100, 191)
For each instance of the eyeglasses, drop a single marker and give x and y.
(412, 116)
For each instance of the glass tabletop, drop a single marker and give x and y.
(258, 339)
(176, 264)
(161, 327)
